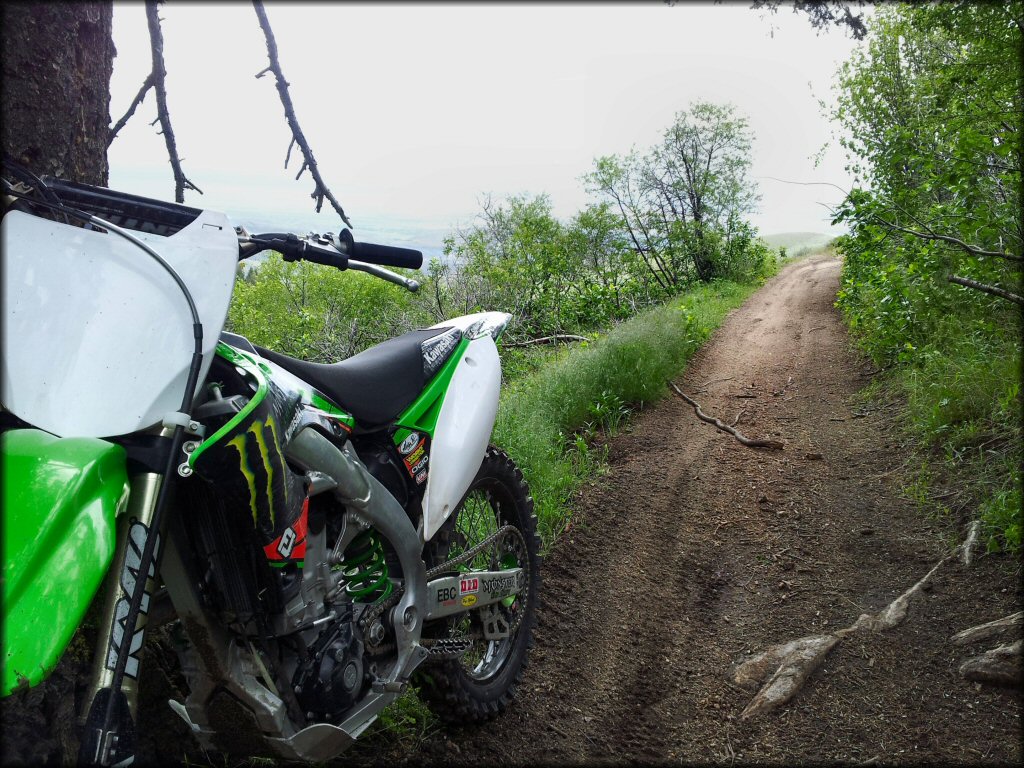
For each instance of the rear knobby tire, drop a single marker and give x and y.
(481, 684)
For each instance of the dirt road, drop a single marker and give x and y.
(693, 551)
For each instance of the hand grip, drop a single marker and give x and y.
(385, 255)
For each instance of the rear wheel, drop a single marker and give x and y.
(480, 683)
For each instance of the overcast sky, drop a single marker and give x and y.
(415, 111)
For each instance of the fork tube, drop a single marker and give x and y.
(132, 531)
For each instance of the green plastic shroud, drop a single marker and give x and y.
(60, 500)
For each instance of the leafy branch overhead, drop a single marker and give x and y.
(823, 13)
(931, 109)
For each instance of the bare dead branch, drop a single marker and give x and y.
(1003, 294)
(146, 85)
(935, 236)
(320, 190)
(288, 154)
(548, 340)
(774, 444)
(159, 75)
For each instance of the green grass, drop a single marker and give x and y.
(963, 420)
(964, 406)
(545, 419)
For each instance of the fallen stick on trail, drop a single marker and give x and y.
(774, 444)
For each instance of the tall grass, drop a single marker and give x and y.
(542, 416)
(956, 359)
(964, 403)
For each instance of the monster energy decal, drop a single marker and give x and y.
(137, 535)
(258, 459)
(249, 468)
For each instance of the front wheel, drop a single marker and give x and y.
(480, 684)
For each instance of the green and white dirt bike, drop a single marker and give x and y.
(317, 535)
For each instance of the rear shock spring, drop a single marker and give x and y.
(365, 569)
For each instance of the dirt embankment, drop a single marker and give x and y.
(694, 551)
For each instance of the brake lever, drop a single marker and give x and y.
(385, 274)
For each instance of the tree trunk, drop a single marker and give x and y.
(57, 60)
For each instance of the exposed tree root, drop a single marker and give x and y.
(775, 444)
(794, 662)
(992, 629)
(967, 548)
(999, 666)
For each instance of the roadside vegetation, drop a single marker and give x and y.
(931, 283)
(606, 305)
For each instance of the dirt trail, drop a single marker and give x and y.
(694, 550)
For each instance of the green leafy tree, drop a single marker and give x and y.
(512, 260)
(609, 281)
(932, 271)
(932, 113)
(685, 197)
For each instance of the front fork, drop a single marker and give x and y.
(99, 747)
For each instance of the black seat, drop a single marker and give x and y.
(374, 386)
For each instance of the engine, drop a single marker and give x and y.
(330, 679)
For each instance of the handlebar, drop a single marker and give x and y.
(385, 255)
(339, 252)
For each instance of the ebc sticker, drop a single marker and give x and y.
(409, 443)
(447, 595)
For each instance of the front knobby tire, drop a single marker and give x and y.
(480, 684)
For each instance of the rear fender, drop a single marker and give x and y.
(60, 500)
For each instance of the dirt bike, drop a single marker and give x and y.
(315, 537)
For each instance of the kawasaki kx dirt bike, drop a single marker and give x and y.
(318, 536)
